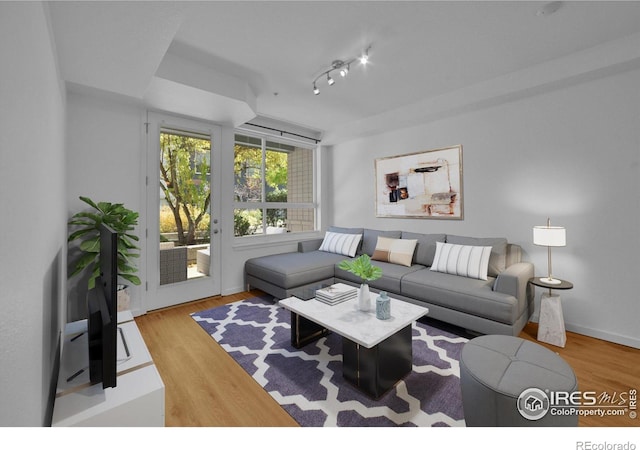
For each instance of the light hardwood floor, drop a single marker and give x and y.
(204, 387)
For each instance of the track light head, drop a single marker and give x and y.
(330, 80)
(344, 71)
(364, 59)
(316, 91)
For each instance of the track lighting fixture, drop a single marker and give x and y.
(342, 67)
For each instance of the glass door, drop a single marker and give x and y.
(183, 237)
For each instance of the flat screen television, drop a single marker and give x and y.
(102, 319)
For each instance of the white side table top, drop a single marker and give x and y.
(348, 321)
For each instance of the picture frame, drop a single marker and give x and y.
(425, 185)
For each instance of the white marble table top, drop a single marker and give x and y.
(348, 321)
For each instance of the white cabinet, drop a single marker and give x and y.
(138, 398)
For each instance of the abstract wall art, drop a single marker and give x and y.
(425, 184)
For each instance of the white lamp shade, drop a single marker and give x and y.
(549, 236)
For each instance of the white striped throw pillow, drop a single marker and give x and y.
(340, 243)
(463, 260)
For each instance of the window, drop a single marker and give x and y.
(273, 189)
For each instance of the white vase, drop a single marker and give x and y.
(364, 298)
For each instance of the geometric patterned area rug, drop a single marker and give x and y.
(308, 382)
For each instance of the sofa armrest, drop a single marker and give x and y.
(310, 245)
(514, 280)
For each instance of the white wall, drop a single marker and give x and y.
(570, 154)
(105, 151)
(33, 217)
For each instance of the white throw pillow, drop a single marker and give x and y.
(463, 260)
(340, 243)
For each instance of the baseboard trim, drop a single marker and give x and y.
(604, 335)
(600, 334)
(233, 290)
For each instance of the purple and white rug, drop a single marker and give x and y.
(308, 382)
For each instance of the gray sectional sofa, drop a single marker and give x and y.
(502, 304)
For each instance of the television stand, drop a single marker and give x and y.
(138, 398)
(123, 349)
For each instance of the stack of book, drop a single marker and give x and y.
(336, 293)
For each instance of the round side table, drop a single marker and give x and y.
(551, 323)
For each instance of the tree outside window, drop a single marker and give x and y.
(185, 186)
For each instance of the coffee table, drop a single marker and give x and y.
(376, 354)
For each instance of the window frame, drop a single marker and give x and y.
(263, 205)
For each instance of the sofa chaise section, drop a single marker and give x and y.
(280, 274)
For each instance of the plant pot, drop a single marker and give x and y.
(124, 300)
(364, 298)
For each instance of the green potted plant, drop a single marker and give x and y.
(120, 219)
(362, 267)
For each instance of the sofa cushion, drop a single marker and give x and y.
(426, 246)
(392, 274)
(370, 239)
(498, 259)
(463, 260)
(467, 295)
(289, 270)
(395, 251)
(345, 230)
(340, 243)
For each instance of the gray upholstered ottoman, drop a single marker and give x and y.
(507, 381)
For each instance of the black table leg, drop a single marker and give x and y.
(304, 331)
(376, 370)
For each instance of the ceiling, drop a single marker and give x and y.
(233, 61)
